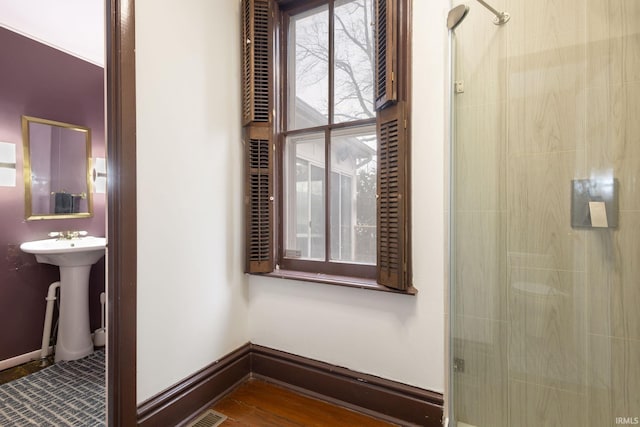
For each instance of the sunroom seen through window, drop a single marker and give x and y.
(330, 142)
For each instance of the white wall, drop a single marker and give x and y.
(73, 26)
(192, 298)
(192, 295)
(397, 337)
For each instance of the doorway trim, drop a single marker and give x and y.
(121, 212)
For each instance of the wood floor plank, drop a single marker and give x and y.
(248, 415)
(261, 404)
(25, 369)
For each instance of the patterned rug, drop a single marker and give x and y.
(65, 394)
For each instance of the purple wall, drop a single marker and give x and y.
(39, 81)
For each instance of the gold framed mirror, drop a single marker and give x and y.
(57, 169)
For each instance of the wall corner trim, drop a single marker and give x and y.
(189, 396)
(381, 398)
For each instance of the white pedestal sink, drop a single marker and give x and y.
(74, 257)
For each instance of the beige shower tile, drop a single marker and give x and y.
(480, 158)
(613, 138)
(547, 328)
(482, 343)
(535, 406)
(545, 73)
(539, 232)
(480, 391)
(481, 59)
(543, 119)
(544, 25)
(481, 404)
(546, 100)
(613, 380)
(546, 104)
(614, 279)
(613, 42)
(480, 259)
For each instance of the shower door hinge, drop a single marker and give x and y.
(458, 86)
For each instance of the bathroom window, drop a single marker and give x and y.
(349, 177)
(325, 87)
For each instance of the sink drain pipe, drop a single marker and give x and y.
(48, 316)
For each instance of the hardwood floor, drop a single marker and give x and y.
(260, 404)
(25, 369)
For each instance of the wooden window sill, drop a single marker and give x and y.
(330, 279)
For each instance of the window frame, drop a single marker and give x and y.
(262, 72)
(334, 268)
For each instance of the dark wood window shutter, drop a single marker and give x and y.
(387, 49)
(256, 61)
(259, 200)
(257, 104)
(393, 201)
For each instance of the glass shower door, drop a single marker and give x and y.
(545, 311)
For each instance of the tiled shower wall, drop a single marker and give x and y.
(546, 318)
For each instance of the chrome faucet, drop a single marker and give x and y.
(68, 235)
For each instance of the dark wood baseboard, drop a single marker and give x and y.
(388, 400)
(188, 397)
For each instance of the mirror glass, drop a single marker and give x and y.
(56, 169)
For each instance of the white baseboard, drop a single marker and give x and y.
(23, 358)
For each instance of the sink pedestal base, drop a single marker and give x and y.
(75, 258)
(74, 333)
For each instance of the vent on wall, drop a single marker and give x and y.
(210, 418)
